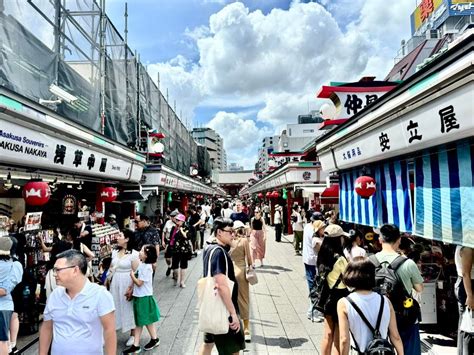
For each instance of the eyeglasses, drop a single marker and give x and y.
(231, 231)
(57, 269)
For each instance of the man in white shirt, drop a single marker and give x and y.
(80, 314)
(297, 229)
(165, 238)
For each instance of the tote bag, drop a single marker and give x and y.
(213, 314)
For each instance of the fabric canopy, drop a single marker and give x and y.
(444, 194)
(331, 192)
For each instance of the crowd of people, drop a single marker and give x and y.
(363, 294)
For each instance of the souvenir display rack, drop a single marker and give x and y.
(104, 237)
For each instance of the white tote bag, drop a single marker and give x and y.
(467, 321)
(213, 314)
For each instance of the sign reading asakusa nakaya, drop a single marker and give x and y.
(20, 145)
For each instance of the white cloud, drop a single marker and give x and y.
(242, 137)
(279, 60)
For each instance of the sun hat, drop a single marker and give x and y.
(238, 224)
(5, 245)
(180, 217)
(174, 214)
(334, 230)
(318, 224)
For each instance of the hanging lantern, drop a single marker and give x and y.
(284, 194)
(365, 186)
(275, 194)
(260, 195)
(36, 193)
(108, 194)
(170, 196)
(268, 194)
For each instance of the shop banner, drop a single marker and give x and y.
(393, 195)
(353, 208)
(444, 194)
(24, 146)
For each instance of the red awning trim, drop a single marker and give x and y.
(326, 91)
(331, 192)
(331, 123)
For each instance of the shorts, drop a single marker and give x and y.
(227, 343)
(180, 261)
(5, 318)
(168, 252)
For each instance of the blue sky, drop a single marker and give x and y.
(249, 68)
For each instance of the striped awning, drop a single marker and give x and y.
(391, 202)
(444, 194)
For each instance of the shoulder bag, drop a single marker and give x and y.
(213, 314)
(251, 275)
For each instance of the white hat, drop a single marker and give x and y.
(238, 224)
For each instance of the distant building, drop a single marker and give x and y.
(235, 167)
(214, 144)
(269, 144)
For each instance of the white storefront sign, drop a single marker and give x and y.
(444, 119)
(24, 146)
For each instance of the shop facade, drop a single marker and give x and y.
(416, 143)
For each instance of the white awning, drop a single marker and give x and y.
(309, 190)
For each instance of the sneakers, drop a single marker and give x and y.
(13, 351)
(130, 341)
(152, 344)
(248, 337)
(182, 285)
(133, 350)
(168, 272)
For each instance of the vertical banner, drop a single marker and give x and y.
(444, 194)
(353, 208)
(393, 195)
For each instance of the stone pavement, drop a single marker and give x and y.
(278, 309)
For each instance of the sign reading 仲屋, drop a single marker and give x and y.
(21, 145)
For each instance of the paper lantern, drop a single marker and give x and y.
(260, 195)
(365, 186)
(284, 195)
(170, 196)
(268, 194)
(327, 111)
(108, 194)
(275, 194)
(36, 193)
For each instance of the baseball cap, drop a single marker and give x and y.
(238, 224)
(317, 216)
(180, 217)
(333, 230)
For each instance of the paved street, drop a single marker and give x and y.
(278, 310)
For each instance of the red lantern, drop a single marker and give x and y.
(365, 186)
(268, 194)
(108, 194)
(275, 194)
(260, 195)
(36, 193)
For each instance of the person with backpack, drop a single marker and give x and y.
(331, 265)
(366, 317)
(396, 277)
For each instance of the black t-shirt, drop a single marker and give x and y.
(241, 216)
(193, 219)
(87, 240)
(218, 263)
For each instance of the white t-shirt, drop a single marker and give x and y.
(309, 256)
(145, 273)
(298, 225)
(167, 228)
(226, 212)
(77, 328)
(355, 252)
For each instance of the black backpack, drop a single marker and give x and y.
(378, 345)
(387, 281)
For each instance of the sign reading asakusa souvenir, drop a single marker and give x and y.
(441, 120)
(21, 145)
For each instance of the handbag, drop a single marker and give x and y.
(251, 276)
(467, 321)
(213, 314)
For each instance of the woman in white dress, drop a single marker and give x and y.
(124, 260)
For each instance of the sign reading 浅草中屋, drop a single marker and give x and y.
(24, 146)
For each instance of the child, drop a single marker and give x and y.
(145, 309)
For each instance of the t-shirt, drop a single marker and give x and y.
(309, 256)
(87, 240)
(337, 270)
(145, 274)
(240, 216)
(355, 252)
(227, 212)
(77, 328)
(277, 217)
(195, 218)
(298, 225)
(167, 228)
(218, 266)
(408, 271)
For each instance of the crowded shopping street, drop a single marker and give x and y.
(236, 177)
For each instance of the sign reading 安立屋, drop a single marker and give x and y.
(444, 119)
(21, 145)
